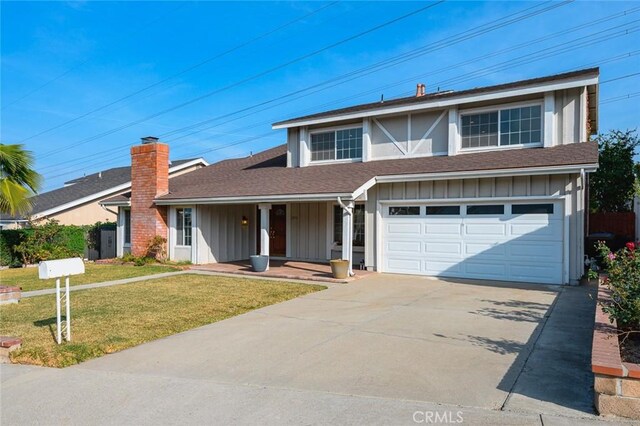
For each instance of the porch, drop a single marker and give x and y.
(285, 269)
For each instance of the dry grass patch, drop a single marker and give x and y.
(109, 319)
(27, 278)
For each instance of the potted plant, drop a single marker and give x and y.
(259, 262)
(339, 268)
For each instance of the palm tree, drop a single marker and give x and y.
(18, 180)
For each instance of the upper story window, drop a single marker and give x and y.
(504, 127)
(340, 144)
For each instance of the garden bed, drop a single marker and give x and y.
(617, 381)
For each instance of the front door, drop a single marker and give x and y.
(277, 230)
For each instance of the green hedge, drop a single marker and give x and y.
(41, 242)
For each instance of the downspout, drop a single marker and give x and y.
(350, 259)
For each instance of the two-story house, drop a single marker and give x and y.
(485, 183)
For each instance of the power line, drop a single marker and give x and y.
(465, 35)
(251, 78)
(182, 72)
(620, 98)
(456, 65)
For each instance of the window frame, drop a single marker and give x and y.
(334, 129)
(497, 108)
(126, 243)
(178, 230)
(334, 243)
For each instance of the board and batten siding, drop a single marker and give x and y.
(567, 185)
(308, 230)
(221, 236)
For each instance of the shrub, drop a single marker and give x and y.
(9, 239)
(49, 241)
(156, 248)
(623, 268)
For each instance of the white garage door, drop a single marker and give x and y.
(499, 241)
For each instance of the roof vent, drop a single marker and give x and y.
(420, 89)
(149, 139)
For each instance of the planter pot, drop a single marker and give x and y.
(259, 263)
(340, 268)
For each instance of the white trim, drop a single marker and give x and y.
(329, 231)
(287, 249)
(389, 135)
(172, 233)
(499, 108)
(583, 115)
(194, 234)
(304, 150)
(254, 198)
(566, 236)
(549, 124)
(116, 203)
(399, 157)
(449, 101)
(363, 188)
(428, 132)
(366, 139)
(454, 134)
(333, 130)
(488, 173)
(472, 200)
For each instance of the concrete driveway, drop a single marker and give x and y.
(385, 345)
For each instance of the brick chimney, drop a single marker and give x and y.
(149, 179)
(420, 90)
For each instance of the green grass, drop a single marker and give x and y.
(110, 319)
(27, 278)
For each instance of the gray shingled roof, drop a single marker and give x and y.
(85, 186)
(410, 100)
(266, 174)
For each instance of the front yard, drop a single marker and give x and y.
(27, 278)
(110, 319)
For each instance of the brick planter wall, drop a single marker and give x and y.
(10, 294)
(617, 383)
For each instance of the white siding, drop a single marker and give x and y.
(222, 238)
(568, 112)
(308, 231)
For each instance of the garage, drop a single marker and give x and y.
(510, 241)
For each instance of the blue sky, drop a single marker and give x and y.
(63, 60)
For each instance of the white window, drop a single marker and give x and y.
(127, 225)
(340, 144)
(183, 226)
(503, 127)
(358, 225)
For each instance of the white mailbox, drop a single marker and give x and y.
(57, 269)
(60, 268)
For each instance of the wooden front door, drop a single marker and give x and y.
(277, 230)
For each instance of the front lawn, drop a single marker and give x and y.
(27, 278)
(109, 319)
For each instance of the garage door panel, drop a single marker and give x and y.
(485, 229)
(537, 251)
(441, 267)
(543, 272)
(404, 265)
(411, 228)
(523, 247)
(485, 269)
(408, 246)
(551, 230)
(486, 250)
(443, 228)
(440, 248)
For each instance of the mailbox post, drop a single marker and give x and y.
(56, 269)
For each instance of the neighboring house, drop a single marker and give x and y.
(78, 201)
(486, 183)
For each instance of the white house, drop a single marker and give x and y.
(485, 183)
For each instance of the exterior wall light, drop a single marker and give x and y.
(244, 221)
